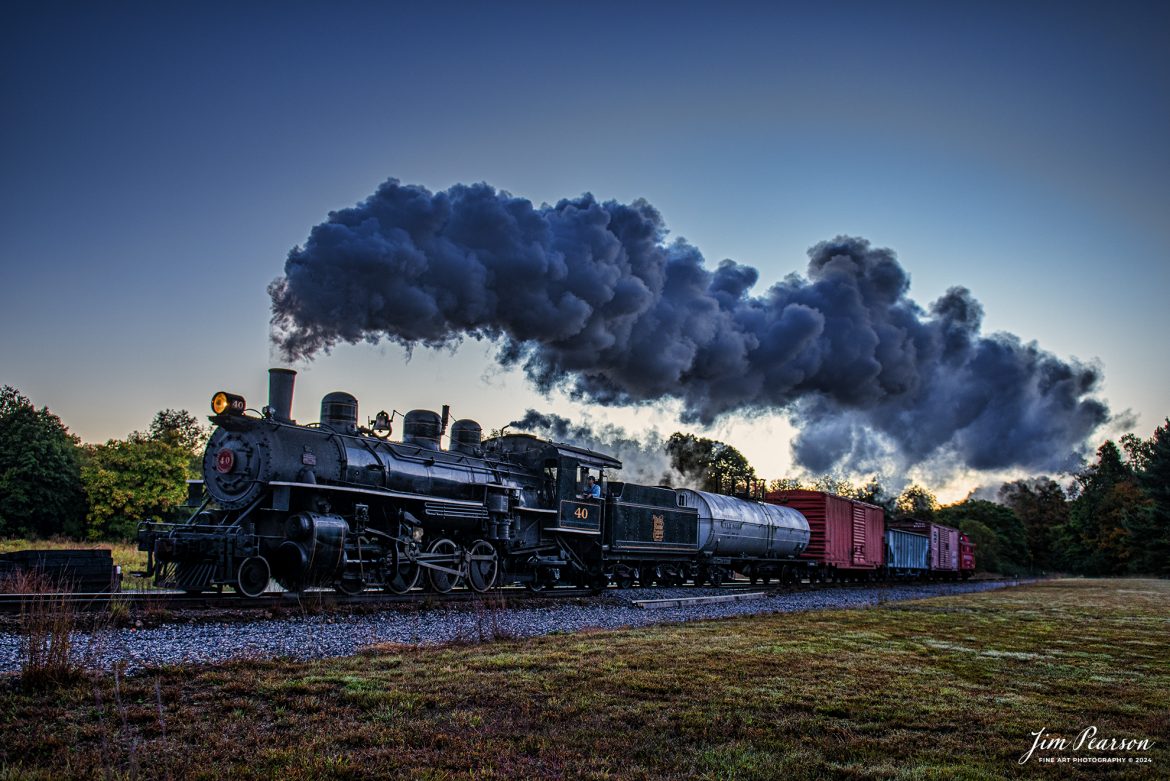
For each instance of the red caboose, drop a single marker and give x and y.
(966, 557)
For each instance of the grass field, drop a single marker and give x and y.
(943, 688)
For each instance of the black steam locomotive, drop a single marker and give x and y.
(339, 504)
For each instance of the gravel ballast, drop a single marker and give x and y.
(318, 636)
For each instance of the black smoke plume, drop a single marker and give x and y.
(590, 297)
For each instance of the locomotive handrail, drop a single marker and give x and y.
(374, 492)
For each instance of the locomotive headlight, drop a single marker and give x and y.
(228, 403)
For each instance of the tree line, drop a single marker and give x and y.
(51, 484)
(1113, 519)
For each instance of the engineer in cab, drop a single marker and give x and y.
(592, 488)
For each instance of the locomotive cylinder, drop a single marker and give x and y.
(314, 551)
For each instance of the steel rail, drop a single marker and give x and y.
(328, 598)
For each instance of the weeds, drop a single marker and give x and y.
(487, 610)
(47, 621)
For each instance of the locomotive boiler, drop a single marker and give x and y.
(339, 504)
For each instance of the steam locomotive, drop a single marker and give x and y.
(339, 504)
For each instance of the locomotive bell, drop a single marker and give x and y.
(382, 425)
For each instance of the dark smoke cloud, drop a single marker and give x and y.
(589, 297)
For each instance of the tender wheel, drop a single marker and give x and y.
(483, 566)
(716, 577)
(253, 576)
(441, 581)
(351, 587)
(623, 576)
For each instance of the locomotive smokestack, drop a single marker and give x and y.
(280, 393)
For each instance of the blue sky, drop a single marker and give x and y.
(157, 163)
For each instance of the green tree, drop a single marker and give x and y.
(831, 484)
(873, 492)
(40, 481)
(1138, 451)
(1097, 538)
(988, 557)
(132, 480)
(1009, 548)
(1151, 530)
(916, 502)
(716, 466)
(1042, 506)
(786, 484)
(181, 429)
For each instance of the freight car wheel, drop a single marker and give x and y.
(440, 581)
(483, 566)
(252, 577)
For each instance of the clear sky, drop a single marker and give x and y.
(158, 162)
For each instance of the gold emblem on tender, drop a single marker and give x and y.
(659, 527)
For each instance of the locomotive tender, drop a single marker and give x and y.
(339, 504)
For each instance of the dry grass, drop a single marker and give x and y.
(45, 630)
(125, 554)
(944, 688)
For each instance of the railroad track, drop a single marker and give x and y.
(326, 599)
(316, 600)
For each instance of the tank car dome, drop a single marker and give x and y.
(339, 411)
(466, 437)
(422, 427)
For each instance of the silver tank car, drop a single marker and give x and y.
(734, 527)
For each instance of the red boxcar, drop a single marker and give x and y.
(944, 545)
(844, 534)
(966, 556)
